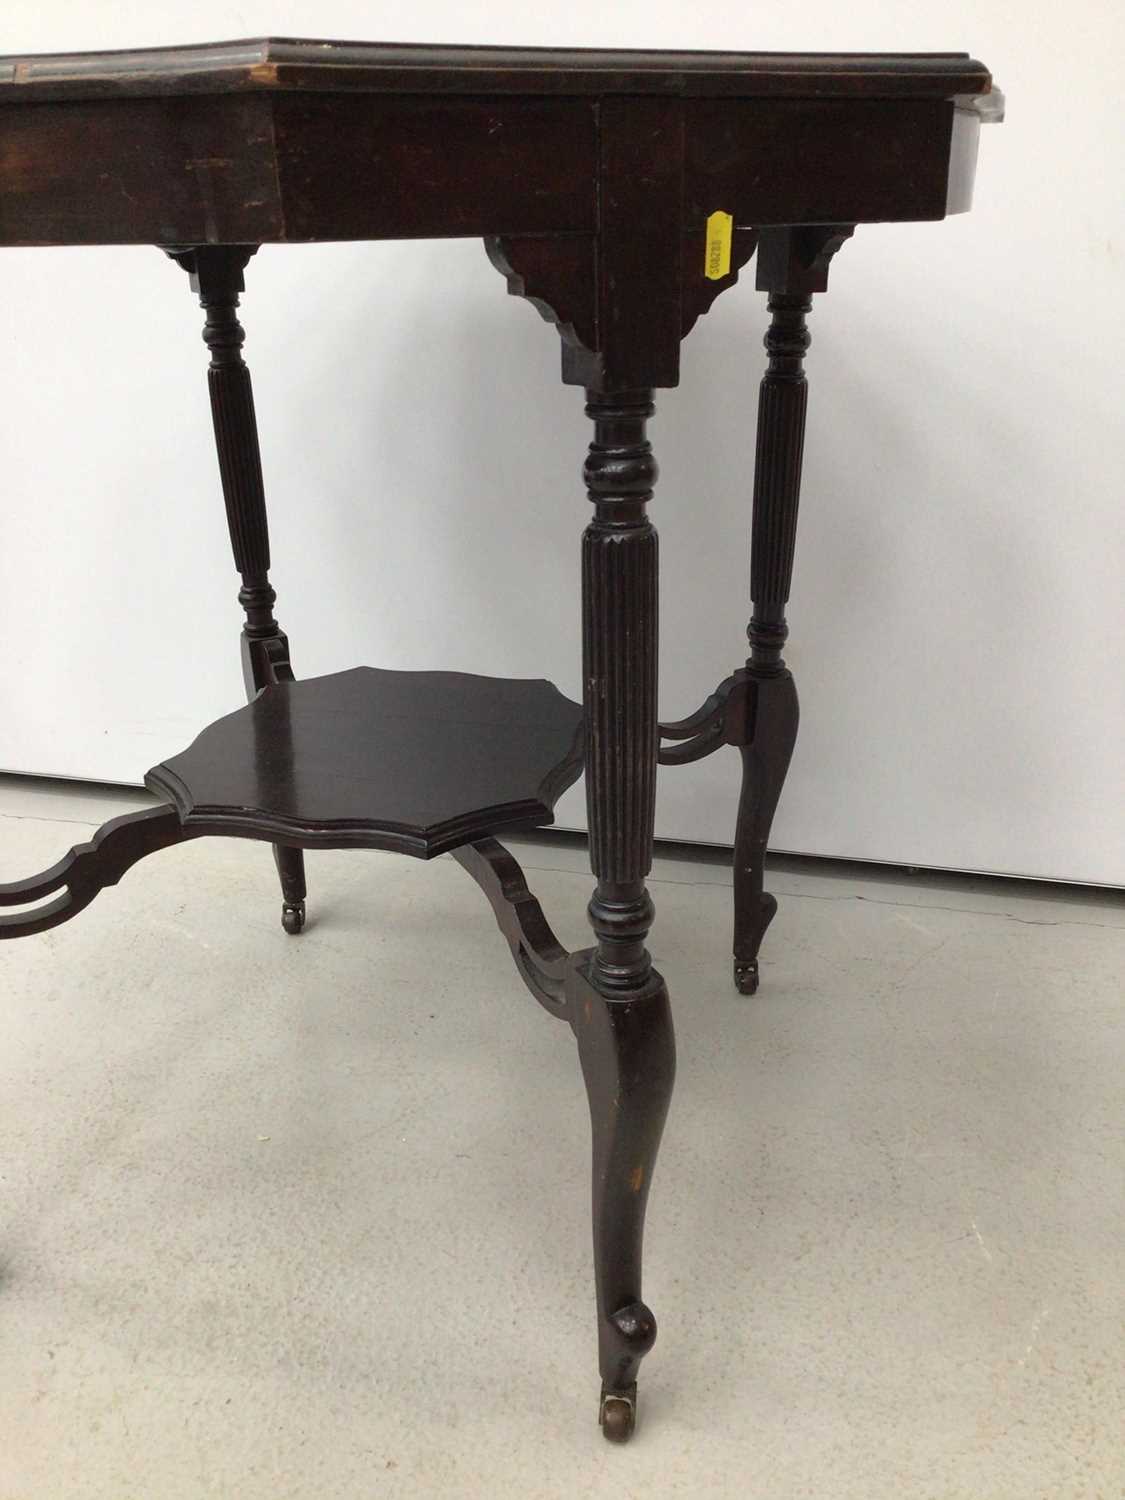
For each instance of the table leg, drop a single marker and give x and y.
(771, 720)
(619, 1004)
(216, 276)
(792, 264)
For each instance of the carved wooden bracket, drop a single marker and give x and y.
(623, 299)
(795, 260)
(558, 275)
(698, 292)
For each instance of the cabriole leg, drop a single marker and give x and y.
(216, 276)
(618, 1003)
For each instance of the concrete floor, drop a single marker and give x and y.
(308, 1218)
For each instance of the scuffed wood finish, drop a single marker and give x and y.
(592, 177)
(639, 318)
(619, 1003)
(284, 63)
(265, 141)
(140, 172)
(627, 1050)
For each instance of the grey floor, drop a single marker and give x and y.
(308, 1218)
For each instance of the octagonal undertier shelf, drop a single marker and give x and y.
(417, 762)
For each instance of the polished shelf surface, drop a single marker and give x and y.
(417, 762)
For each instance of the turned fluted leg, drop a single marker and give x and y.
(619, 1004)
(792, 264)
(771, 721)
(216, 276)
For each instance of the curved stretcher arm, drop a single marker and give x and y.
(701, 732)
(541, 959)
(88, 868)
(705, 716)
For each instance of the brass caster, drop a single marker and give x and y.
(293, 917)
(746, 977)
(618, 1416)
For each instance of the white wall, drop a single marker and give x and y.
(958, 630)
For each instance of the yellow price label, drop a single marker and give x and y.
(716, 260)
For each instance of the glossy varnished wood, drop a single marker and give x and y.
(417, 762)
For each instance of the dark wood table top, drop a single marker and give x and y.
(592, 175)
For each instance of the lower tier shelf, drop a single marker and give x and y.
(416, 762)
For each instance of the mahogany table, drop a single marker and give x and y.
(620, 192)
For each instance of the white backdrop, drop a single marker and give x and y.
(958, 628)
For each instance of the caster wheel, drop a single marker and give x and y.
(293, 918)
(619, 1415)
(746, 977)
